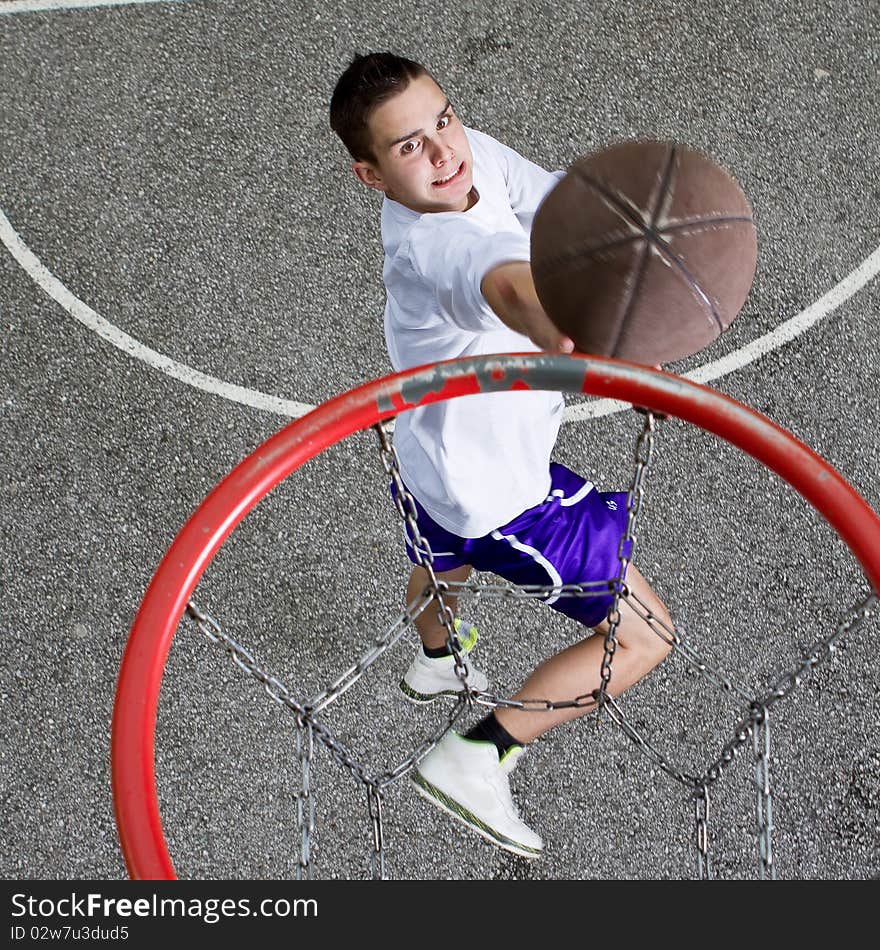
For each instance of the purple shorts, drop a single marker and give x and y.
(572, 537)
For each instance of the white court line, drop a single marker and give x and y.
(38, 6)
(128, 344)
(784, 333)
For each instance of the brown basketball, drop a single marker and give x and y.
(644, 251)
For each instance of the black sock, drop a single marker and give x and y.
(436, 652)
(491, 730)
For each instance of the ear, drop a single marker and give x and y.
(366, 173)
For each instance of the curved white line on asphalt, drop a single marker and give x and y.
(784, 333)
(128, 344)
(39, 6)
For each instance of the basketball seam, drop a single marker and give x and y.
(703, 223)
(619, 201)
(677, 263)
(612, 243)
(653, 239)
(633, 295)
(663, 199)
(637, 219)
(627, 215)
(666, 192)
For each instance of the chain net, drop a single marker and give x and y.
(753, 727)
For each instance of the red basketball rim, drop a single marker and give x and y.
(137, 695)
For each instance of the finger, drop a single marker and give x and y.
(548, 336)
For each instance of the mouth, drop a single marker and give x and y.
(449, 179)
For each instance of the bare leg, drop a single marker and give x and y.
(430, 628)
(576, 670)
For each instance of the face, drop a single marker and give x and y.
(422, 155)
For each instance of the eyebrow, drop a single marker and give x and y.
(412, 135)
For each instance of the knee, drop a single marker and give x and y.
(662, 630)
(652, 631)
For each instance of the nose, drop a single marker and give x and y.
(441, 152)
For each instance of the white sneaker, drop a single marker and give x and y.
(465, 778)
(430, 677)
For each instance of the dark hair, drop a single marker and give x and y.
(367, 82)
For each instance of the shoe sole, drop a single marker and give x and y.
(442, 801)
(422, 699)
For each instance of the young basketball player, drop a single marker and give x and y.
(456, 217)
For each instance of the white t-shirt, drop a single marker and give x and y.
(474, 462)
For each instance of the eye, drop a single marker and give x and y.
(444, 121)
(408, 148)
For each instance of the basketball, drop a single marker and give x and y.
(644, 251)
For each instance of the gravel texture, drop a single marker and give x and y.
(172, 165)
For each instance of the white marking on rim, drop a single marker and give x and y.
(784, 333)
(40, 6)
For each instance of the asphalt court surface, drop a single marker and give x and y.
(169, 187)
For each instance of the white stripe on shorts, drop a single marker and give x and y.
(538, 558)
(579, 495)
(409, 544)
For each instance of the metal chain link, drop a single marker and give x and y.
(306, 724)
(275, 688)
(823, 647)
(853, 619)
(761, 746)
(377, 856)
(478, 591)
(242, 658)
(754, 724)
(701, 805)
(674, 637)
(305, 803)
(644, 456)
(400, 770)
(482, 590)
(380, 644)
(406, 508)
(616, 715)
(757, 721)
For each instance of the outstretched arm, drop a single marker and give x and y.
(510, 292)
